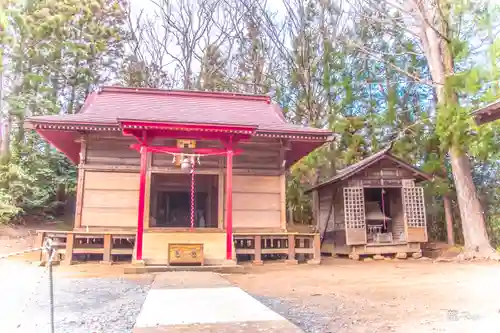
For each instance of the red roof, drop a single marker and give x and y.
(106, 106)
(110, 107)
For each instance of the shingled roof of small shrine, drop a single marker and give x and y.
(488, 113)
(108, 105)
(353, 169)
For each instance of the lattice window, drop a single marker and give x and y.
(354, 207)
(414, 206)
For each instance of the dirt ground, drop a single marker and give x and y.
(341, 295)
(386, 296)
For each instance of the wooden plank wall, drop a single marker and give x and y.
(256, 201)
(156, 245)
(110, 199)
(111, 150)
(110, 196)
(398, 219)
(259, 155)
(335, 232)
(325, 201)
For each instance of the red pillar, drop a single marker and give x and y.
(142, 196)
(229, 205)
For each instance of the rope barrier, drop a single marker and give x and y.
(13, 254)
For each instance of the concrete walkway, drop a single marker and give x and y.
(205, 302)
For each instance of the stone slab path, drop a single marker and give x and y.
(191, 302)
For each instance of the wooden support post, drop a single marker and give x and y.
(80, 183)
(108, 247)
(316, 243)
(229, 205)
(291, 250)
(258, 250)
(39, 243)
(283, 202)
(70, 241)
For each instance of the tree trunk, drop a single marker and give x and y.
(440, 58)
(471, 213)
(5, 119)
(448, 213)
(5, 138)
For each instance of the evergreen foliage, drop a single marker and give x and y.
(355, 67)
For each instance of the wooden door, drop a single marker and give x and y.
(354, 215)
(414, 213)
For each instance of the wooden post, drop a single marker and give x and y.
(283, 201)
(80, 183)
(258, 250)
(142, 197)
(70, 241)
(108, 246)
(39, 243)
(229, 205)
(291, 250)
(316, 243)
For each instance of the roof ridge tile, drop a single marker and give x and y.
(186, 93)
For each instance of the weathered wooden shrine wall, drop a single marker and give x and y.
(109, 181)
(335, 226)
(257, 201)
(385, 173)
(109, 199)
(397, 214)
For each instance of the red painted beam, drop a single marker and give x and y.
(142, 198)
(229, 205)
(130, 125)
(176, 150)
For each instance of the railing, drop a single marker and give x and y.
(268, 245)
(105, 243)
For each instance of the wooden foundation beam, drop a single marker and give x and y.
(291, 250)
(258, 250)
(108, 246)
(68, 256)
(317, 250)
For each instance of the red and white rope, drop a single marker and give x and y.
(159, 150)
(193, 197)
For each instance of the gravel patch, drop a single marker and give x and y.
(82, 305)
(310, 318)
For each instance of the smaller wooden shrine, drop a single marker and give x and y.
(372, 207)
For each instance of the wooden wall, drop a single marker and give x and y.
(335, 226)
(397, 214)
(110, 199)
(114, 149)
(256, 201)
(325, 201)
(110, 178)
(156, 244)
